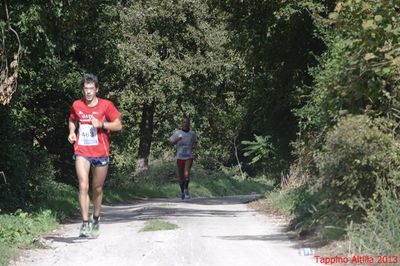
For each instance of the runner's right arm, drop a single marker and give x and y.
(174, 139)
(72, 128)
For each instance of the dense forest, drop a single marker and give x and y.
(301, 92)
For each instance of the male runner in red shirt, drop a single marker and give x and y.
(90, 121)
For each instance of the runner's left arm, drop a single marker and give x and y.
(194, 144)
(113, 119)
(115, 125)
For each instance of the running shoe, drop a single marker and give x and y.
(182, 196)
(85, 230)
(95, 227)
(187, 196)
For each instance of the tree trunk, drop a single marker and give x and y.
(146, 135)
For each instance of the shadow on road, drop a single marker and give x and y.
(69, 240)
(272, 237)
(230, 200)
(159, 208)
(146, 213)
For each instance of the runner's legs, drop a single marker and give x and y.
(187, 168)
(181, 169)
(99, 176)
(82, 166)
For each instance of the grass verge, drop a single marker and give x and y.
(380, 233)
(158, 225)
(325, 227)
(23, 230)
(161, 181)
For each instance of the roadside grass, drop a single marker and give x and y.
(6, 253)
(376, 234)
(308, 216)
(197, 188)
(62, 200)
(23, 228)
(158, 225)
(380, 233)
(161, 181)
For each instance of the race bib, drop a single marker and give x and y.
(88, 135)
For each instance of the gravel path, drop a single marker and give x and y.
(211, 231)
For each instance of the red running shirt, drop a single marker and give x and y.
(91, 141)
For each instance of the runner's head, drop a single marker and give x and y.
(185, 123)
(90, 86)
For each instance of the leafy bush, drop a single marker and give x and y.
(359, 71)
(264, 156)
(17, 227)
(358, 74)
(356, 156)
(259, 150)
(29, 175)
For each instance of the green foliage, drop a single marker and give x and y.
(358, 73)
(22, 229)
(310, 211)
(287, 202)
(28, 171)
(160, 173)
(374, 30)
(177, 59)
(260, 149)
(356, 157)
(60, 40)
(278, 41)
(5, 254)
(61, 199)
(322, 109)
(238, 69)
(161, 180)
(379, 234)
(346, 158)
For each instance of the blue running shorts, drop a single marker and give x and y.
(96, 161)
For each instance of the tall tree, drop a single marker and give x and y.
(177, 64)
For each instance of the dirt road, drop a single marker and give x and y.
(217, 231)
